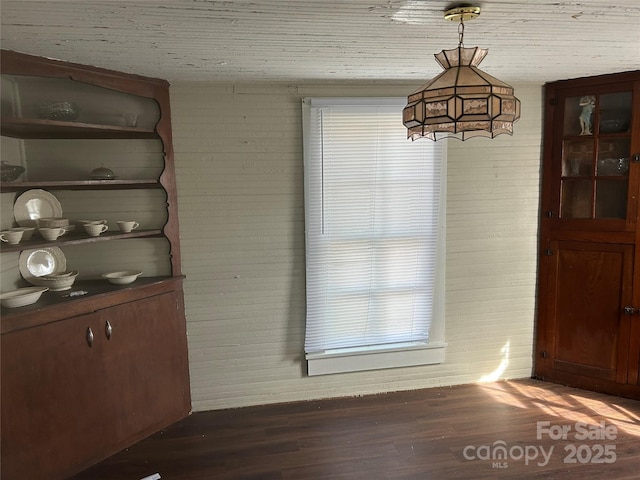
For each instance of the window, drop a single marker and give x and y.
(374, 238)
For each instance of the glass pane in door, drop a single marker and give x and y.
(614, 113)
(611, 199)
(577, 157)
(613, 157)
(579, 115)
(576, 199)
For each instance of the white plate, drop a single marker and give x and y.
(41, 261)
(35, 204)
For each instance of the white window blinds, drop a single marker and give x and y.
(372, 203)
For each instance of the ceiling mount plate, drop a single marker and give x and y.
(464, 14)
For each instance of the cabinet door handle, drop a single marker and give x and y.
(89, 337)
(629, 310)
(108, 329)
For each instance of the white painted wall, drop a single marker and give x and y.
(238, 153)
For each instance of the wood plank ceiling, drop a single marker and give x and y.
(311, 41)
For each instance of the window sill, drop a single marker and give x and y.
(374, 358)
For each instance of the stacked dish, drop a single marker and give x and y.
(41, 261)
(46, 267)
(56, 282)
(34, 205)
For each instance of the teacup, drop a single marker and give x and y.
(126, 226)
(11, 237)
(51, 233)
(27, 232)
(95, 229)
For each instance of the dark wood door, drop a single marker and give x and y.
(588, 332)
(586, 337)
(145, 368)
(52, 399)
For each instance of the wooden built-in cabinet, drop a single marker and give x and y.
(588, 328)
(88, 375)
(91, 384)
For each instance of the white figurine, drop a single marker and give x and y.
(588, 103)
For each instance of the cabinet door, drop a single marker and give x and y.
(52, 400)
(146, 369)
(587, 331)
(633, 376)
(634, 351)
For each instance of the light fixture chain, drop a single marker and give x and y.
(461, 32)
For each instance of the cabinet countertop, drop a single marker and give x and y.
(55, 306)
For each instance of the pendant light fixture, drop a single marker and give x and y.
(463, 101)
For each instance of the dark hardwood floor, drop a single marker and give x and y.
(440, 433)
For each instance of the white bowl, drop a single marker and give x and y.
(122, 278)
(56, 282)
(21, 296)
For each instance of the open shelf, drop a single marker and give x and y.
(82, 185)
(76, 238)
(38, 128)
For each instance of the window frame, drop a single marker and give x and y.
(405, 354)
